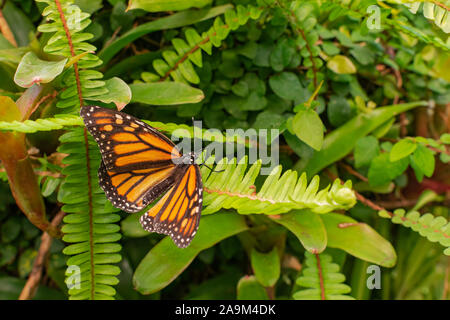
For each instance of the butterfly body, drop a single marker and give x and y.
(139, 164)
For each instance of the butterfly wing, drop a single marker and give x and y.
(126, 143)
(137, 164)
(134, 190)
(177, 213)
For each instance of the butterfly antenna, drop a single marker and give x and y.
(203, 164)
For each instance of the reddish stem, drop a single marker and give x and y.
(322, 286)
(80, 97)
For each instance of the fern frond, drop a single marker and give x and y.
(65, 121)
(322, 278)
(435, 229)
(178, 64)
(90, 224)
(47, 124)
(64, 18)
(280, 193)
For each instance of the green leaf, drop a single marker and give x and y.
(366, 149)
(50, 186)
(166, 5)
(20, 23)
(330, 48)
(339, 111)
(10, 289)
(307, 227)
(364, 55)
(166, 261)
(309, 128)
(25, 263)
(358, 239)
(218, 287)
(249, 288)
(7, 254)
(382, 170)
(266, 266)
(131, 226)
(268, 120)
(402, 149)
(12, 56)
(424, 159)
(118, 92)
(33, 70)
(9, 110)
(445, 138)
(281, 55)
(341, 65)
(341, 141)
(165, 93)
(286, 85)
(89, 6)
(10, 229)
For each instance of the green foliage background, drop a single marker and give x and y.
(358, 89)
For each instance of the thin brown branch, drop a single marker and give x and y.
(352, 171)
(370, 204)
(41, 101)
(113, 37)
(30, 288)
(308, 47)
(311, 57)
(359, 196)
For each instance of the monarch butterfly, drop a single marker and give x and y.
(139, 164)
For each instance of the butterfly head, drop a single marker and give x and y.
(193, 156)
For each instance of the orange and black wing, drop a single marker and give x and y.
(137, 164)
(134, 190)
(177, 213)
(126, 143)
